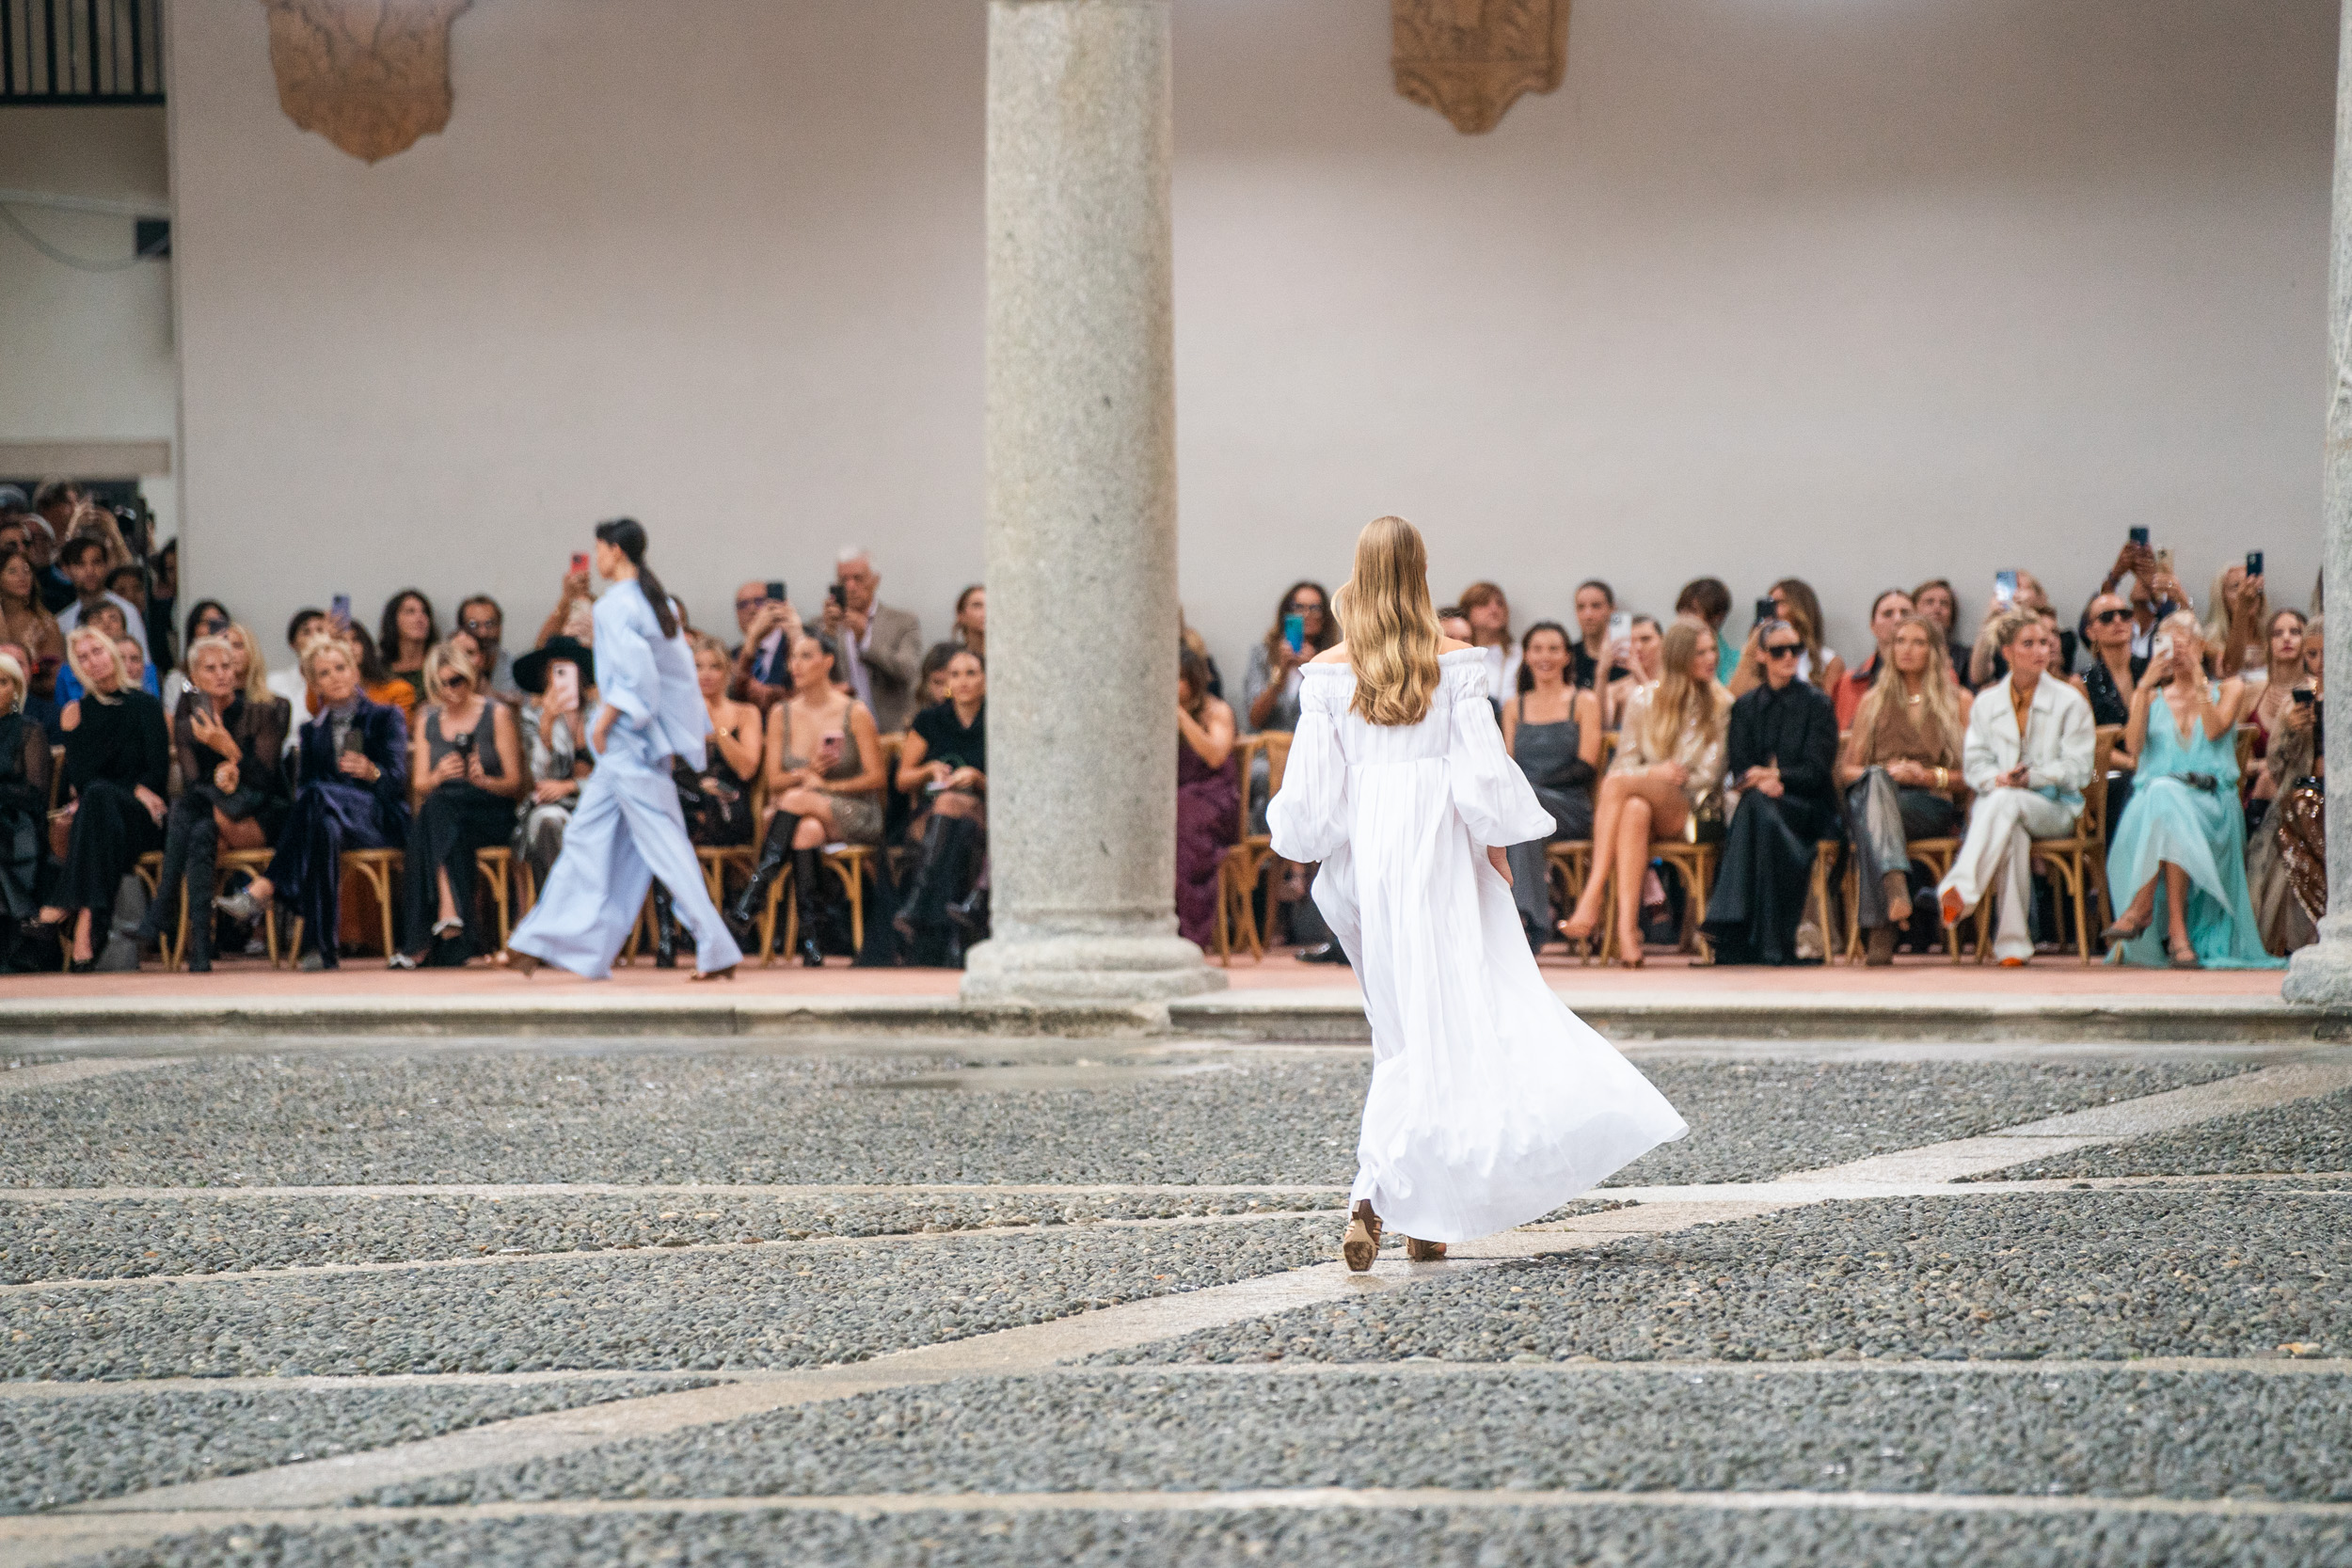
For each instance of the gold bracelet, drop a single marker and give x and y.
(1943, 778)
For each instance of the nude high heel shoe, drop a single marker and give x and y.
(1363, 1238)
(1419, 1251)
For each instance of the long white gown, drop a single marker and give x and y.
(1492, 1103)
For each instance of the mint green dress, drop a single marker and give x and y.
(2201, 831)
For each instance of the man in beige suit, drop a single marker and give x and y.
(882, 648)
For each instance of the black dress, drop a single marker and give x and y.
(954, 849)
(1767, 868)
(115, 748)
(25, 868)
(191, 836)
(454, 823)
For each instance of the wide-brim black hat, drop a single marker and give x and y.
(530, 671)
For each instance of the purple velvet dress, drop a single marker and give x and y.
(1208, 818)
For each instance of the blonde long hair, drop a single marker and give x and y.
(1677, 698)
(1390, 625)
(1939, 693)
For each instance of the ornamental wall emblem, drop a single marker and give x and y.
(1470, 60)
(369, 76)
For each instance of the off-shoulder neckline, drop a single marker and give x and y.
(1460, 655)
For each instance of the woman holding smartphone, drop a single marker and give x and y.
(825, 778)
(468, 772)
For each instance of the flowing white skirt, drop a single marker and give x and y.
(1492, 1103)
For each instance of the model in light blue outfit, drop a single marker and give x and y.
(629, 828)
(2203, 832)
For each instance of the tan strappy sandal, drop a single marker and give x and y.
(1419, 1251)
(1363, 1238)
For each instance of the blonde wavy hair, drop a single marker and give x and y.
(1391, 626)
(248, 649)
(1677, 699)
(1939, 690)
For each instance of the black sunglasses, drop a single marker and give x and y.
(2109, 617)
(1782, 650)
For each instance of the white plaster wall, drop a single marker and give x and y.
(86, 356)
(1866, 289)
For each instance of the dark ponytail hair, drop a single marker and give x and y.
(628, 536)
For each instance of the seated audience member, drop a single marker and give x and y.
(209, 618)
(720, 814)
(118, 764)
(762, 674)
(1645, 658)
(1667, 777)
(407, 631)
(351, 792)
(1595, 661)
(1452, 622)
(1269, 686)
(383, 688)
(1190, 637)
(301, 627)
(879, 649)
(232, 791)
(1901, 771)
(95, 520)
(1553, 730)
(480, 618)
(2236, 615)
(934, 679)
(130, 584)
(136, 673)
(26, 622)
(1794, 603)
(943, 765)
(24, 765)
(1935, 600)
(970, 627)
(1208, 798)
(2136, 562)
(85, 565)
(2286, 861)
(2111, 672)
(1889, 610)
(1708, 601)
(1781, 749)
(1986, 662)
(136, 669)
(2281, 673)
(558, 687)
(1488, 613)
(467, 773)
(574, 599)
(2185, 830)
(2027, 757)
(826, 778)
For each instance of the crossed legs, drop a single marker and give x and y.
(1633, 811)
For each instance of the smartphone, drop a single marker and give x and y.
(2163, 558)
(1620, 626)
(462, 744)
(840, 599)
(1295, 632)
(2005, 588)
(1766, 611)
(339, 610)
(563, 686)
(2301, 696)
(2253, 564)
(775, 591)
(2139, 537)
(580, 563)
(2161, 649)
(353, 742)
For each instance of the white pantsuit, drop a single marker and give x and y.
(1997, 848)
(628, 828)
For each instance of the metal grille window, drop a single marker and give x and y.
(81, 52)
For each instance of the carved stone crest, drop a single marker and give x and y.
(369, 76)
(1470, 60)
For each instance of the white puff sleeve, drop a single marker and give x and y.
(1307, 818)
(1490, 794)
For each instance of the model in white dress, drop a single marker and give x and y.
(1492, 1103)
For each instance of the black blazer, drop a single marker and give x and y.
(384, 733)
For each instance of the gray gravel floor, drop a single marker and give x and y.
(1620, 1537)
(2091, 1273)
(2114, 1433)
(55, 1452)
(127, 1238)
(2301, 1135)
(438, 1118)
(787, 1305)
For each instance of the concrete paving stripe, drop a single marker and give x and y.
(2104, 1124)
(498, 1260)
(1802, 1190)
(616, 1189)
(1034, 1347)
(1517, 1370)
(49, 1075)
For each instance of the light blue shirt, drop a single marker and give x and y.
(649, 681)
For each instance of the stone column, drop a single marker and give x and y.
(2322, 973)
(1082, 613)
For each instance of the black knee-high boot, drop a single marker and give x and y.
(809, 897)
(664, 929)
(923, 895)
(775, 849)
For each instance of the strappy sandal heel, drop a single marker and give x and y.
(726, 974)
(1362, 1244)
(1419, 1251)
(519, 963)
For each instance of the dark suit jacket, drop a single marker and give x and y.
(384, 741)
